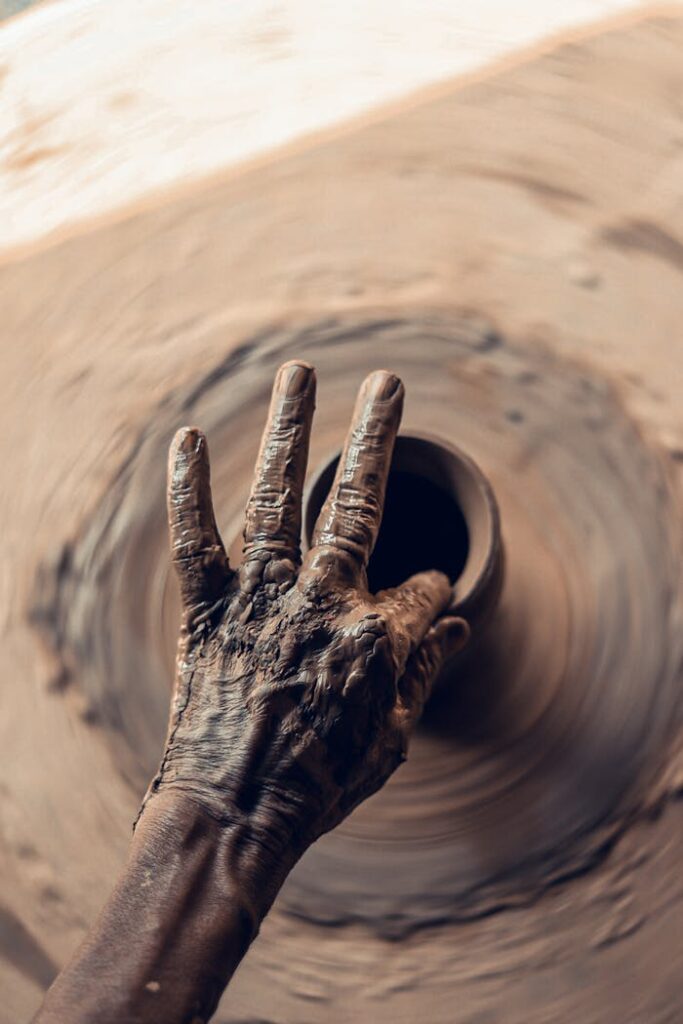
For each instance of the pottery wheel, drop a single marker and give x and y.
(524, 865)
(530, 763)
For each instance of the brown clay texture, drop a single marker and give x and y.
(530, 764)
(524, 864)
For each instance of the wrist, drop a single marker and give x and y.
(250, 856)
(178, 923)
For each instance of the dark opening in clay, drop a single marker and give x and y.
(423, 528)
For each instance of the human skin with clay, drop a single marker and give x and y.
(295, 696)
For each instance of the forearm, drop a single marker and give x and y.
(183, 914)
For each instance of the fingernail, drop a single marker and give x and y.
(293, 378)
(190, 440)
(381, 385)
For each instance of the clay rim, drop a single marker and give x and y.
(444, 464)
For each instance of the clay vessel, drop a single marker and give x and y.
(440, 513)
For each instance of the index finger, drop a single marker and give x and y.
(350, 519)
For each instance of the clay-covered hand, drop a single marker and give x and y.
(296, 689)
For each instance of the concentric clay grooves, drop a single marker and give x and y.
(545, 740)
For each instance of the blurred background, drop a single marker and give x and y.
(106, 103)
(487, 198)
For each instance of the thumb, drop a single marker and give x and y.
(443, 640)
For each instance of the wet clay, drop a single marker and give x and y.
(575, 679)
(523, 866)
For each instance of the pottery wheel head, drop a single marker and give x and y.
(559, 716)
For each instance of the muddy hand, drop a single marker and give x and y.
(296, 689)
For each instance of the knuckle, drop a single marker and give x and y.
(374, 624)
(279, 571)
(310, 582)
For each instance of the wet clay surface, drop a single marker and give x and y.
(576, 679)
(524, 864)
